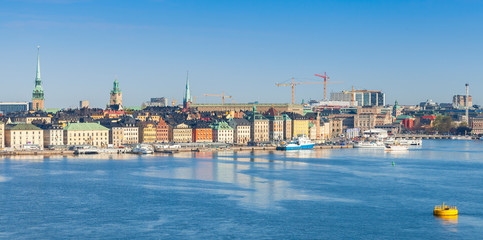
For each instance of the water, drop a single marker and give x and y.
(323, 194)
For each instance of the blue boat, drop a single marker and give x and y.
(299, 143)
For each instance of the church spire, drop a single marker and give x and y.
(187, 94)
(38, 93)
(37, 75)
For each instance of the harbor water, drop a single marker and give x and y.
(306, 194)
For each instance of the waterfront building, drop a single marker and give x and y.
(9, 107)
(20, 136)
(38, 93)
(2, 134)
(147, 132)
(241, 130)
(370, 117)
(275, 125)
(86, 134)
(187, 95)
(476, 125)
(222, 132)
(162, 131)
(180, 133)
(336, 127)
(324, 132)
(287, 127)
(53, 135)
(300, 125)
(130, 131)
(259, 127)
(116, 97)
(202, 132)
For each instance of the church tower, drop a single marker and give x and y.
(187, 94)
(116, 97)
(38, 93)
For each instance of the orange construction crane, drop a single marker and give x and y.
(217, 95)
(358, 91)
(174, 102)
(293, 84)
(325, 83)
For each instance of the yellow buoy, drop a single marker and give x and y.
(445, 210)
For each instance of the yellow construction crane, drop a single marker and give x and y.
(218, 95)
(293, 84)
(174, 102)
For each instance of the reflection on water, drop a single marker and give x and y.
(450, 223)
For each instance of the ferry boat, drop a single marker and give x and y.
(302, 142)
(395, 147)
(86, 150)
(365, 144)
(143, 149)
(445, 210)
(404, 141)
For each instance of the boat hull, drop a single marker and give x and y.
(310, 146)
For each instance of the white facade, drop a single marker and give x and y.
(53, 137)
(223, 135)
(18, 139)
(242, 134)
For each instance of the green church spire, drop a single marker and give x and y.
(115, 88)
(38, 92)
(187, 95)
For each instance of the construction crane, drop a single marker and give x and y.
(174, 102)
(218, 95)
(293, 84)
(325, 83)
(358, 91)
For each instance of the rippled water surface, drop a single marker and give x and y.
(314, 194)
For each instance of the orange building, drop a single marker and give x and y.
(162, 131)
(202, 132)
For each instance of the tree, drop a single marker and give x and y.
(443, 124)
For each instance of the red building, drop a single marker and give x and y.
(162, 131)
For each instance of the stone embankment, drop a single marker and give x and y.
(234, 148)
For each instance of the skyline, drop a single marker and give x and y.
(86, 44)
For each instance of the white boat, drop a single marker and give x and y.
(365, 144)
(302, 142)
(143, 149)
(395, 147)
(86, 150)
(404, 141)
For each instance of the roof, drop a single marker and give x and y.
(404, 117)
(21, 127)
(221, 125)
(84, 127)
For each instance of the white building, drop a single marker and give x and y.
(21, 136)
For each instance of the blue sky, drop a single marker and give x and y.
(411, 50)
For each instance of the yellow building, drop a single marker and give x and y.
(180, 133)
(147, 132)
(300, 126)
(86, 134)
(23, 135)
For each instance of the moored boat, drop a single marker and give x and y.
(395, 147)
(365, 144)
(143, 149)
(302, 142)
